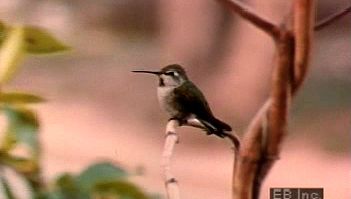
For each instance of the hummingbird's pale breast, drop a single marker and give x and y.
(165, 97)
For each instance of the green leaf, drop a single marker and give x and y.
(118, 189)
(8, 142)
(66, 182)
(6, 188)
(39, 41)
(21, 165)
(99, 172)
(66, 187)
(18, 97)
(11, 53)
(23, 125)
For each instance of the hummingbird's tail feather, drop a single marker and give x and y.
(217, 127)
(221, 125)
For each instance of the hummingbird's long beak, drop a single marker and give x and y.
(145, 71)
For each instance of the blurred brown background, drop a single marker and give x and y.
(98, 110)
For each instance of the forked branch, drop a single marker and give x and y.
(262, 142)
(249, 14)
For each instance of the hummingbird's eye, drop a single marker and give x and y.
(170, 73)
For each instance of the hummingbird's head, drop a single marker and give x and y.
(172, 75)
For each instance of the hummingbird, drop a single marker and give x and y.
(183, 100)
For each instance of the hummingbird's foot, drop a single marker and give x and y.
(180, 121)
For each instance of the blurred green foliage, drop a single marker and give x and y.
(99, 181)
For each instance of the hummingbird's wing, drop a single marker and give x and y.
(190, 100)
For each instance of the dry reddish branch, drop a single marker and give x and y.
(262, 142)
(304, 17)
(250, 15)
(329, 20)
(274, 129)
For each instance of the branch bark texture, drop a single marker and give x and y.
(262, 142)
(171, 183)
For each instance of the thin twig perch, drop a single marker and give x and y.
(171, 183)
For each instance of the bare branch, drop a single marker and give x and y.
(280, 94)
(293, 57)
(171, 139)
(304, 17)
(247, 13)
(275, 122)
(233, 137)
(330, 19)
(245, 166)
(262, 142)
